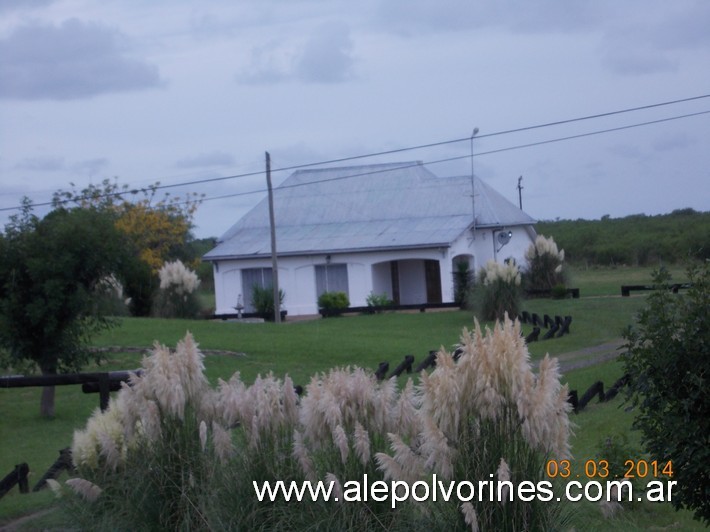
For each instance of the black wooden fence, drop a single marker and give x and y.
(101, 382)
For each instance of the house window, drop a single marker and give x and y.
(261, 277)
(332, 278)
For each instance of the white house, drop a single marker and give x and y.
(394, 229)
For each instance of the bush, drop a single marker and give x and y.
(262, 299)
(331, 303)
(497, 291)
(110, 298)
(177, 297)
(172, 453)
(559, 291)
(668, 358)
(376, 302)
(463, 279)
(545, 265)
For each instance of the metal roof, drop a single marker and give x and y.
(371, 207)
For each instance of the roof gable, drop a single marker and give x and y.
(367, 207)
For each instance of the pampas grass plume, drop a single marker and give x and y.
(469, 514)
(87, 490)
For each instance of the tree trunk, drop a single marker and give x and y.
(46, 404)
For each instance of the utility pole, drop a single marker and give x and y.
(473, 188)
(520, 192)
(274, 261)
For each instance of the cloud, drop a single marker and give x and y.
(672, 142)
(54, 163)
(625, 60)
(686, 28)
(648, 40)
(42, 163)
(627, 151)
(90, 167)
(413, 17)
(17, 5)
(71, 61)
(270, 63)
(203, 160)
(326, 57)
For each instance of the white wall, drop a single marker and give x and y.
(368, 272)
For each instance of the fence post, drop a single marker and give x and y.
(104, 391)
(63, 462)
(16, 476)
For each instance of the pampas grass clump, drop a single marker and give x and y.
(177, 296)
(487, 416)
(173, 452)
(497, 291)
(545, 265)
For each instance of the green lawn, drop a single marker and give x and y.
(304, 347)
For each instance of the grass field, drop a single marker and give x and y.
(305, 347)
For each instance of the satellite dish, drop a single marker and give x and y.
(504, 237)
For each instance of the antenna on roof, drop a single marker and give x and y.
(473, 189)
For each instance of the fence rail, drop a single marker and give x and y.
(101, 382)
(626, 289)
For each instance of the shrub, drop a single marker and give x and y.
(559, 291)
(668, 358)
(545, 265)
(376, 302)
(262, 299)
(497, 291)
(110, 298)
(173, 453)
(176, 297)
(331, 303)
(463, 279)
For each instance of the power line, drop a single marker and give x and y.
(418, 147)
(589, 117)
(467, 156)
(591, 133)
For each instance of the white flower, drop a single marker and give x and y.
(88, 490)
(495, 271)
(176, 275)
(544, 246)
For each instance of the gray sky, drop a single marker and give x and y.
(177, 91)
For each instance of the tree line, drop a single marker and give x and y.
(635, 240)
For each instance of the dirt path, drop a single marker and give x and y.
(20, 522)
(590, 356)
(146, 350)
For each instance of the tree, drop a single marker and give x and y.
(668, 358)
(49, 270)
(158, 230)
